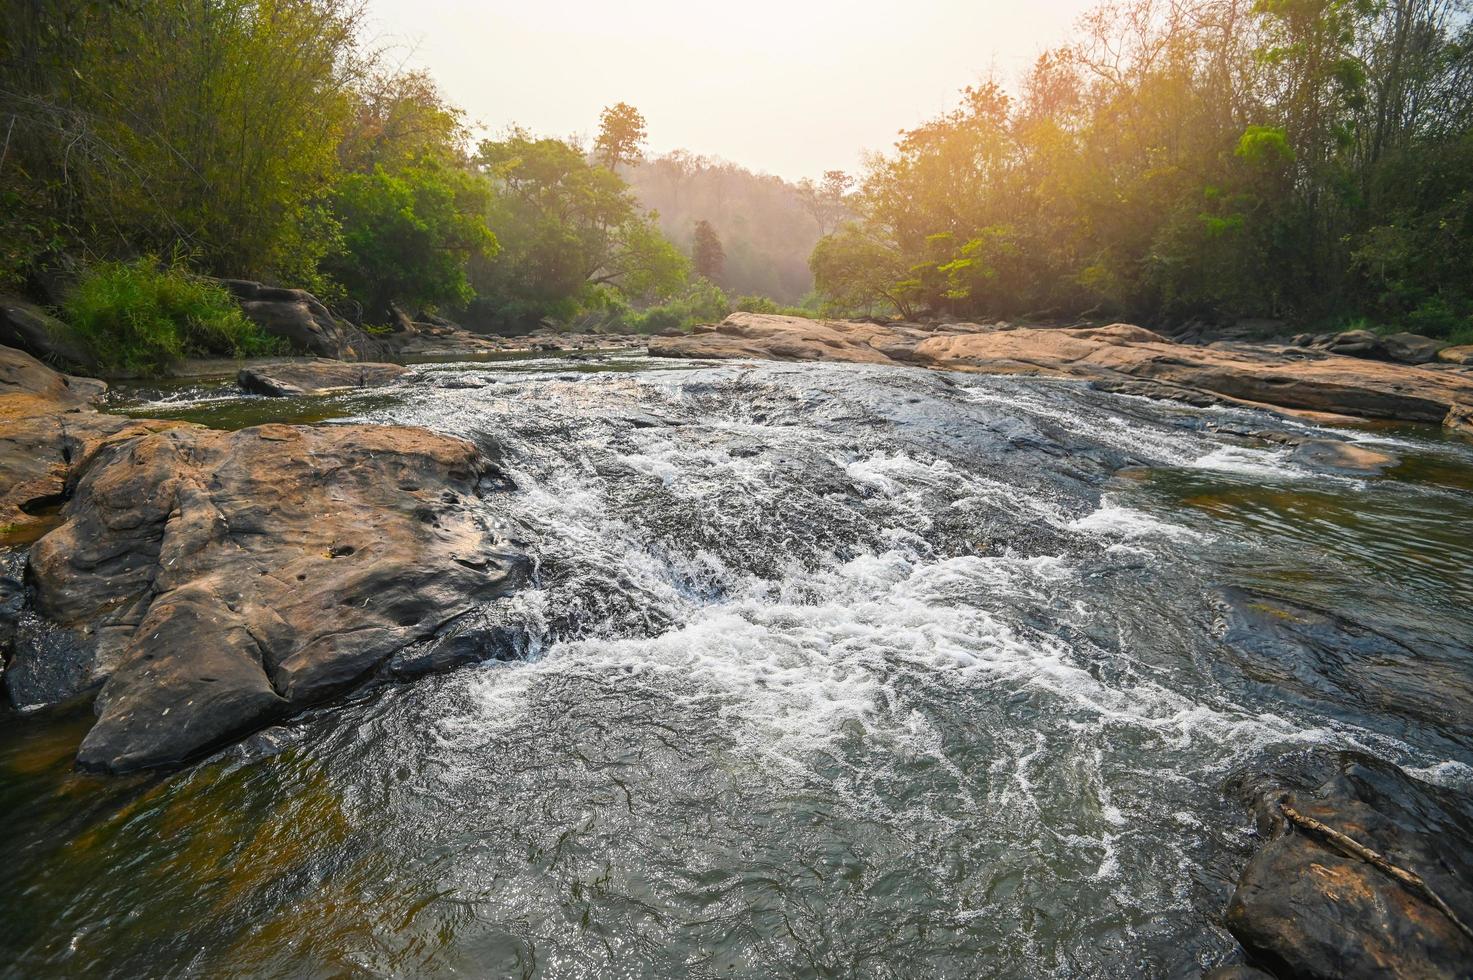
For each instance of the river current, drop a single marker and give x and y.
(827, 671)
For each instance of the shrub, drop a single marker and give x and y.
(142, 317)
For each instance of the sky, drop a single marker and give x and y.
(788, 87)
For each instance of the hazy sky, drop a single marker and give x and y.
(790, 87)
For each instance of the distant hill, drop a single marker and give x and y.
(765, 230)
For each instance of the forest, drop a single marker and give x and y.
(1302, 160)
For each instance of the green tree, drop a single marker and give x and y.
(409, 236)
(223, 146)
(566, 226)
(857, 272)
(707, 255)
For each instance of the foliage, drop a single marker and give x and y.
(222, 145)
(707, 255)
(621, 136)
(702, 301)
(566, 226)
(826, 201)
(408, 236)
(141, 317)
(858, 272)
(1285, 158)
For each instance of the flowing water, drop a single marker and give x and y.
(831, 671)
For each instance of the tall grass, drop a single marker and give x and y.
(142, 317)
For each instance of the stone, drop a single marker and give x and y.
(47, 428)
(1259, 375)
(212, 582)
(1411, 348)
(1356, 343)
(315, 377)
(1304, 908)
(27, 327)
(1394, 681)
(1460, 419)
(1462, 354)
(297, 317)
(1342, 457)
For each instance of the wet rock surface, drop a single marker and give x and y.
(1304, 907)
(1394, 681)
(213, 581)
(1120, 355)
(286, 380)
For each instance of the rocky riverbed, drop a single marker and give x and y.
(845, 667)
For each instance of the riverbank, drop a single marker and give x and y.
(1120, 358)
(1037, 625)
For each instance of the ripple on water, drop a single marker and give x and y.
(838, 670)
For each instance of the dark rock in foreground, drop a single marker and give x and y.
(288, 379)
(1305, 908)
(215, 581)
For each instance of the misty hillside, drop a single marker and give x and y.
(765, 230)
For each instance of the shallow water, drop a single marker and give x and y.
(833, 671)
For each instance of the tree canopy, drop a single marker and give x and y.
(1286, 158)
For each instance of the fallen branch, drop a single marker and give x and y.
(1355, 848)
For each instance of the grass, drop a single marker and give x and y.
(142, 317)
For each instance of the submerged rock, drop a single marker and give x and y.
(289, 379)
(1306, 908)
(1421, 680)
(214, 581)
(1342, 457)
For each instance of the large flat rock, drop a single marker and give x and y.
(1118, 354)
(290, 378)
(211, 582)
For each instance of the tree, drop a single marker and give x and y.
(856, 271)
(707, 255)
(223, 148)
(401, 119)
(408, 236)
(824, 201)
(566, 227)
(621, 136)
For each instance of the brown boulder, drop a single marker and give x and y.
(1462, 354)
(213, 581)
(315, 377)
(297, 317)
(47, 428)
(1305, 907)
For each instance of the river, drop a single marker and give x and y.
(828, 671)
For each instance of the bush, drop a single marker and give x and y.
(141, 317)
(762, 304)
